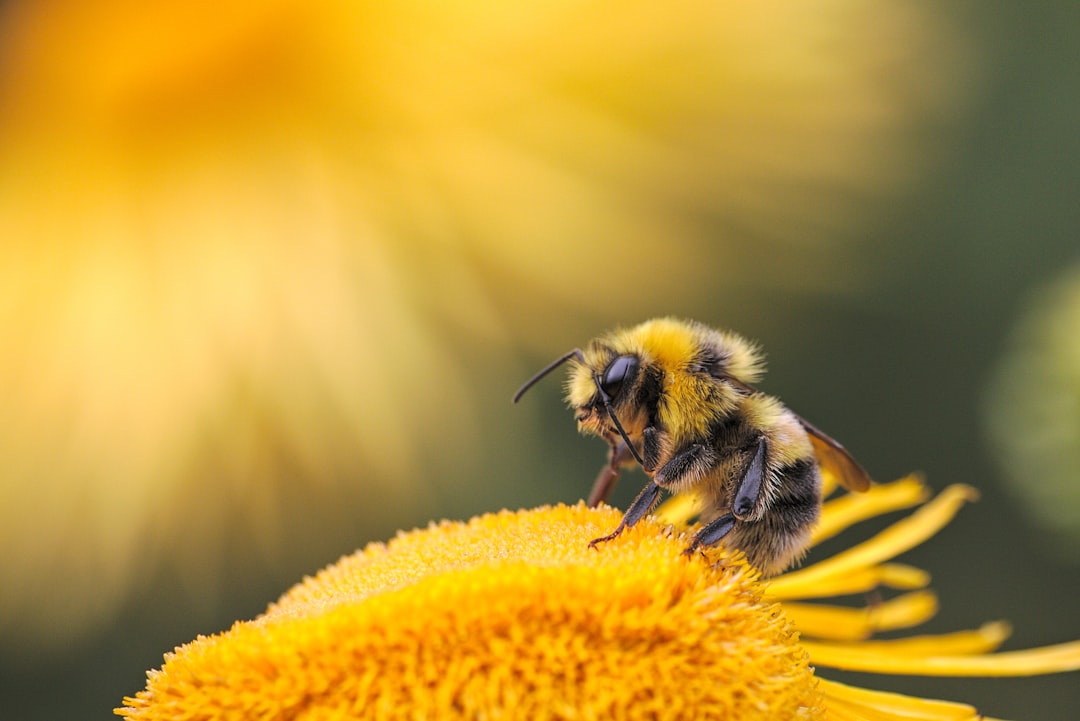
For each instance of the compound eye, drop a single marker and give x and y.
(623, 367)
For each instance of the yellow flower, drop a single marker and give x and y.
(243, 242)
(511, 615)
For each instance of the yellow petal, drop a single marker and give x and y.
(982, 640)
(894, 540)
(890, 575)
(1029, 662)
(883, 705)
(846, 511)
(840, 623)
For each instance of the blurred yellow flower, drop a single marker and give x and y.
(245, 243)
(512, 615)
(1033, 412)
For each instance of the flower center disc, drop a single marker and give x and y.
(511, 614)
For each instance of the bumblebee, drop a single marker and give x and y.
(677, 398)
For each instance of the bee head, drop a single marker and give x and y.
(676, 376)
(595, 387)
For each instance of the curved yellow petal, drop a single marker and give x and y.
(844, 512)
(849, 624)
(894, 540)
(1029, 662)
(883, 705)
(979, 641)
(861, 580)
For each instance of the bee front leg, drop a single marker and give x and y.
(651, 445)
(609, 475)
(693, 461)
(637, 510)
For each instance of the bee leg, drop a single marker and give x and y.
(650, 449)
(605, 481)
(609, 474)
(692, 460)
(711, 534)
(637, 510)
(746, 497)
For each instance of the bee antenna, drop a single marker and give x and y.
(576, 353)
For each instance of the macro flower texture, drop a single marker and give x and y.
(511, 615)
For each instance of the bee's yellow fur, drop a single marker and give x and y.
(691, 404)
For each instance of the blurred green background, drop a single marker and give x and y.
(270, 273)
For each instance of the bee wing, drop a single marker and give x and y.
(834, 458)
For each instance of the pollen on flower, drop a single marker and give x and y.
(510, 614)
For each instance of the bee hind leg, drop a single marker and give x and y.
(637, 510)
(712, 533)
(746, 499)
